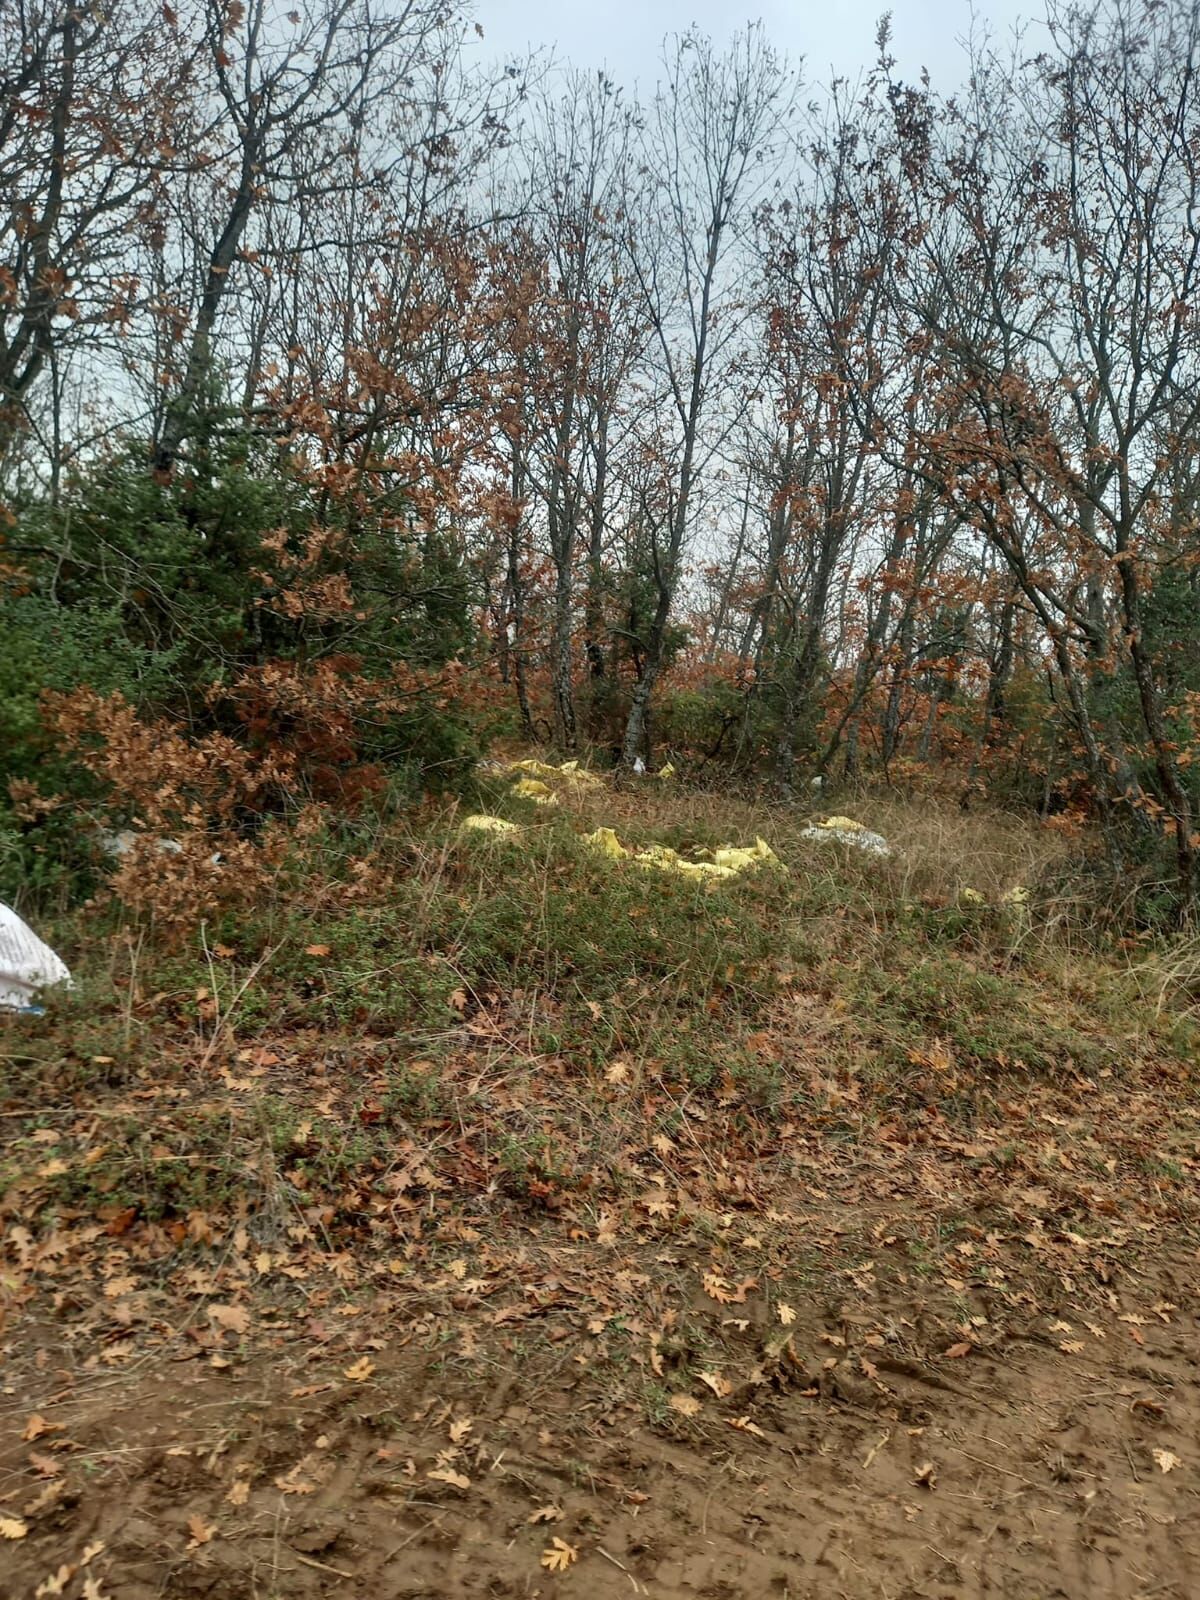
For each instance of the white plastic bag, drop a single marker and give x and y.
(26, 963)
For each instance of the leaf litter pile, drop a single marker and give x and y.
(672, 1241)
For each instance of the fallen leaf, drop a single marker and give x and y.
(456, 1480)
(234, 1319)
(1070, 1347)
(957, 1351)
(744, 1425)
(37, 1426)
(1167, 1460)
(291, 1484)
(360, 1371)
(318, 950)
(92, 1590)
(12, 1528)
(545, 1514)
(56, 1583)
(91, 1551)
(926, 1475)
(558, 1555)
(787, 1316)
(239, 1492)
(685, 1404)
(719, 1385)
(460, 1429)
(46, 1499)
(717, 1288)
(201, 1532)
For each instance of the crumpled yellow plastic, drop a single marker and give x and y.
(739, 857)
(485, 824)
(605, 840)
(664, 859)
(972, 897)
(534, 789)
(843, 824)
(1018, 896)
(727, 861)
(574, 774)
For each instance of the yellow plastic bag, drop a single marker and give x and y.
(606, 842)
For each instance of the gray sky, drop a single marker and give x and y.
(625, 35)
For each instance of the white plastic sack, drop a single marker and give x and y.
(846, 831)
(26, 963)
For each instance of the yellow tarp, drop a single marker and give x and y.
(727, 861)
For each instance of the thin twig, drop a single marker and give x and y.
(321, 1566)
(993, 1466)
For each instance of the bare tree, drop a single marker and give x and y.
(87, 101)
(292, 95)
(1062, 232)
(709, 138)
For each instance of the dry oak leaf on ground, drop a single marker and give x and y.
(457, 1480)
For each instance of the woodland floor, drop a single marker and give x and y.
(906, 1354)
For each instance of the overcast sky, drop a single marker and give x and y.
(833, 36)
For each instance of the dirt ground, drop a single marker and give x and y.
(921, 1382)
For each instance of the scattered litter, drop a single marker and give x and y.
(846, 831)
(1018, 896)
(534, 789)
(485, 824)
(667, 771)
(639, 766)
(570, 772)
(972, 897)
(122, 844)
(605, 840)
(725, 862)
(26, 963)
